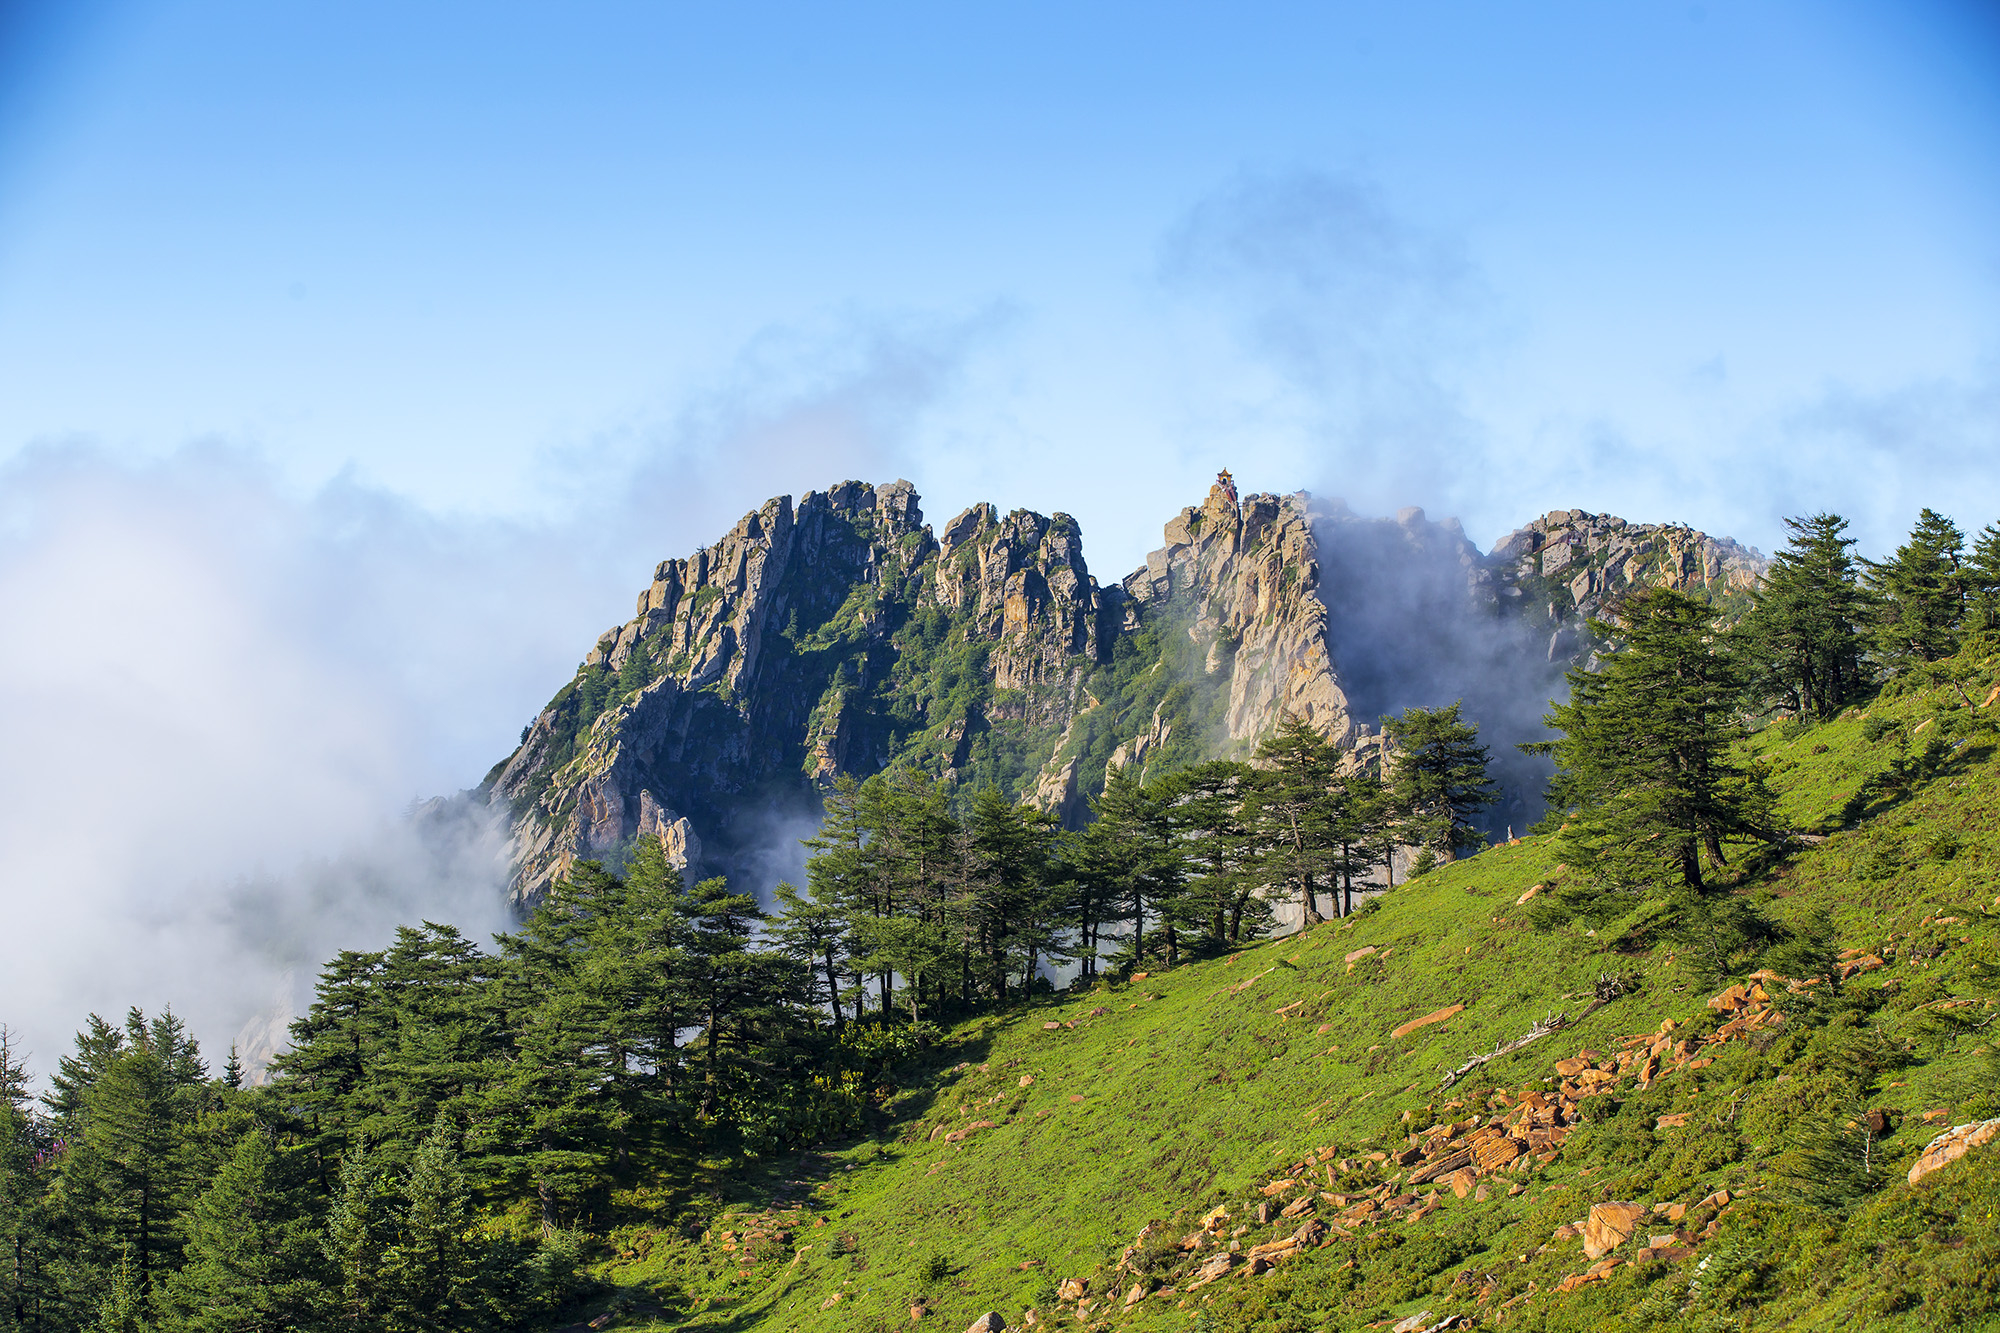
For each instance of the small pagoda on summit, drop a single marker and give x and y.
(1226, 484)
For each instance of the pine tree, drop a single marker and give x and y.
(26, 1242)
(815, 933)
(1983, 577)
(130, 1172)
(841, 871)
(1922, 591)
(429, 1271)
(1644, 781)
(252, 1258)
(1437, 780)
(1135, 858)
(1205, 805)
(1293, 810)
(1803, 637)
(334, 1062)
(354, 1238)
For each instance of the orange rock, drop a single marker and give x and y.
(1438, 1016)
(1951, 1145)
(1676, 1121)
(1609, 1226)
(1523, 899)
(1461, 1182)
(1359, 954)
(1730, 1000)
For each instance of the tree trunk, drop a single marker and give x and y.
(833, 989)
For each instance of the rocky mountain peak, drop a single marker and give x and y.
(839, 634)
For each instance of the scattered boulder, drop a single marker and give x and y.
(1609, 1226)
(1951, 1145)
(990, 1322)
(1211, 1269)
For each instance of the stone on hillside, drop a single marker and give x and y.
(1461, 1182)
(1437, 1016)
(1211, 1269)
(1532, 891)
(918, 1312)
(1414, 1324)
(1070, 1289)
(1136, 1294)
(990, 1322)
(1052, 1027)
(1736, 997)
(1609, 1226)
(1951, 1145)
(1359, 954)
(1027, 1080)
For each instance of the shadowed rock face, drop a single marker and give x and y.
(839, 634)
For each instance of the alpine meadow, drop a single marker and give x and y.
(1134, 981)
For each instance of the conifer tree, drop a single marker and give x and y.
(815, 933)
(1922, 592)
(1293, 810)
(429, 1271)
(253, 1261)
(25, 1240)
(1983, 578)
(1644, 779)
(1804, 635)
(129, 1173)
(1138, 859)
(841, 870)
(1205, 806)
(355, 1234)
(1436, 781)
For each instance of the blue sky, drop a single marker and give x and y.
(484, 255)
(358, 361)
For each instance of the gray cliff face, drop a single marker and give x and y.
(840, 634)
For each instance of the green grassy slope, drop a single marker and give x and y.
(1020, 1155)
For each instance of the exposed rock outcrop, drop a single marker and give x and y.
(840, 634)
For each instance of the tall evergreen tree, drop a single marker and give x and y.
(1204, 806)
(26, 1244)
(1922, 591)
(1804, 635)
(355, 1235)
(1134, 839)
(129, 1173)
(1436, 781)
(1983, 578)
(1293, 812)
(1644, 781)
(430, 1269)
(816, 934)
(253, 1262)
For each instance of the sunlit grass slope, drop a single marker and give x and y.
(1035, 1147)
